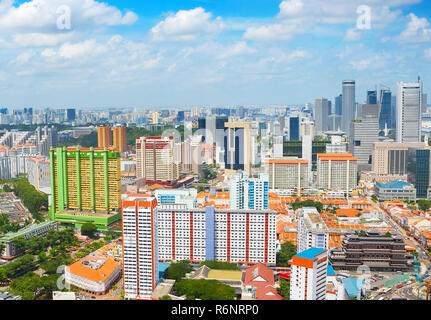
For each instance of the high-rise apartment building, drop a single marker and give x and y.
(321, 116)
(308, 277)
(237, 146)
(409, 114)
(155, 117)
(140, 247)
(236, 236)
(104, 137)
(287, 174)
(155, 160)
(249, 193)
(349, 102)
(312, 230)
(337, 171)
(120, 139)
(364, 132)
(85, 186)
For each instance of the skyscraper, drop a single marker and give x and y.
(339, 105)
(140, 247)
(71, 114)
(321, 116)
(349, 101)
(424, 102)
(249, 193)
(364, 132)
(85, 180)
(104, 137)
(237, 146)
(294, 128)
(372, 97)
(385, 119)
(120, 139)
(409, 115)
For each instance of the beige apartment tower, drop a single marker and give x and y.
(238, 146)
(287, 174)
(337, 171)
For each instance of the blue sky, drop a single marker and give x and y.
(199, 53)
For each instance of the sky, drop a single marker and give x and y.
(190, 53)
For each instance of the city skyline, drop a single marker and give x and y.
(130, 54)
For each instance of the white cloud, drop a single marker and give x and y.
(352, 34)
(299, 16)
(42, 14)
(187, 25)
(417, 30)
(374, 62)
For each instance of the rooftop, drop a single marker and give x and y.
(393, 185)
(310, 253)
(225, 275)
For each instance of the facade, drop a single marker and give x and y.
(34, 230)
(191, 155)
(321, 116)
(309, 275)
(363, 133)
(104, 137)
(187, 197)
(140, 247)
(312, 230)
(423, 174)
(385, 119)
(287, 174)
(85, 186)
(391, 157)
(409, 115)
(395, 190)
(339, 105)
(378, 252)
(39, 174)
(372, 97)
(120, 139)
(337, 171)
(237, 236)
(155, 160)
(237, 146)
(293, 128)
(348, 102)
(249, 193)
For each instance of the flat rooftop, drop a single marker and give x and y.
(235, 275)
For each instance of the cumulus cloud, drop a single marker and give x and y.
(417, 30)
(352, 34)
(187, 25)
(299, 16)
(374, 62)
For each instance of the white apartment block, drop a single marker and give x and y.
(337, 171)
(140, 247)
(155, 159)
(287, 173)
(249, 193)
(237, 236)
(309, 275)
(312, 230)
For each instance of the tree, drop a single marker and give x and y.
(165, 297)
(284, 289)
(6, 188)
(204, 290)
(89, 229)
(177, 270)
(424, 205)
(219, 265)
(288, 250)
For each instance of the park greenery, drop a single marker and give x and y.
(89, 229)
(6, 226)
(219, 265)
(203, 290)
(308, 203)
(32, 199)
(33, 287)
(288, 250)
(284, 289)
(177, 270)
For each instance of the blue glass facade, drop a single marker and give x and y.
(294, 129)
(372, 97)
(422, 173)
(385, 109)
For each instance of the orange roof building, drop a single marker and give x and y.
(94, 274)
